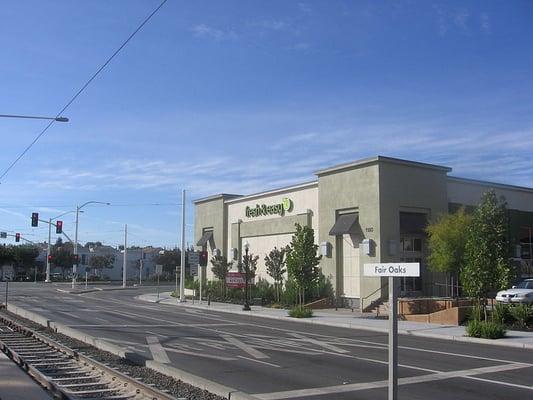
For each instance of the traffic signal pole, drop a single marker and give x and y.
(125, 261)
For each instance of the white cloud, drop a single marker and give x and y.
(460, 18)
(485, 22)
(205, 31)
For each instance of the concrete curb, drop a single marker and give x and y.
(407, 332)
(184, 376)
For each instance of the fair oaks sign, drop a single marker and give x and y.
(392, 269)
(272, 209)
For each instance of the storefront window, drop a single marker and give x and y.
(411, 284)
(526, 242)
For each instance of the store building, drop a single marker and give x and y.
(367, 211)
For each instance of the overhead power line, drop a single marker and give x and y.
(80, 91)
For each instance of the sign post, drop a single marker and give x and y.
(393, 271)
(158, 272)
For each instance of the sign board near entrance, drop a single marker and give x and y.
(236, 280)
(392, 269)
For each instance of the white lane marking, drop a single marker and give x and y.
(245, 347)
(101, 319)
(156, 334)
(328, 346)
(515, 385)
(158, 352)
(289, 394)
(261, 362)
(196, 354)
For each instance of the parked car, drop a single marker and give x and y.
(521, 293)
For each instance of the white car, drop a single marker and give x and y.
(521, 293)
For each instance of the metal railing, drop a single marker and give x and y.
(371, 294)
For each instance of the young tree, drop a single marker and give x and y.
(447, 240)
(275, 263)
(169, 259)
(487, 266)
(100, 262)
(302, 260)
(220, 269)
(248, 267)
(24, 257)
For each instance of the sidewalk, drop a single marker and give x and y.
(15, 384)
(355, 320)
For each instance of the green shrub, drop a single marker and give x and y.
(500, 313)
(300, 312)
(290, 294)
(522, 315)
(485, 329)
(473, 329)
(475, 313)
(264, 290)
(492, 330)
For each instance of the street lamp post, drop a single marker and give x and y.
(246, 306)
(75, 266)
(57, 119)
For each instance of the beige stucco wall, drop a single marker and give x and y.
(211, 214)
(469, 193)
(409, 188)
(355, 188)
(265, 232)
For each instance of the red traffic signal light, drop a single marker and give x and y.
(59, 227)
(17, 237)
(50, 258)
(34, 219)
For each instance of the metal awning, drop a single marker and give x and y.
(207, 236)
(345, 224)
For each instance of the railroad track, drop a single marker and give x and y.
(66, 373)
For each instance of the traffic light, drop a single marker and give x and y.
(17, 237)
(50, 258)
(203, 259)
(59, 227)
(34, 219)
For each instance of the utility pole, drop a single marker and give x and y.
(124, 263)
(48, 251)
(182, 271)
(75, 266)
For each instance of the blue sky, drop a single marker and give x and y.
(242, 96)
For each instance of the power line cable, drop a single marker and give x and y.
(82, 89)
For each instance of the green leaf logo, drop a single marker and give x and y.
(287, 204)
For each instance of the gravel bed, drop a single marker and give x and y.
(143, 374)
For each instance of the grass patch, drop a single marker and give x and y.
(300, 312)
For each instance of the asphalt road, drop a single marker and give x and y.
(283, 359)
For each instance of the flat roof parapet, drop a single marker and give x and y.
(377, 159)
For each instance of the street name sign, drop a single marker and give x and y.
(392, 269)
